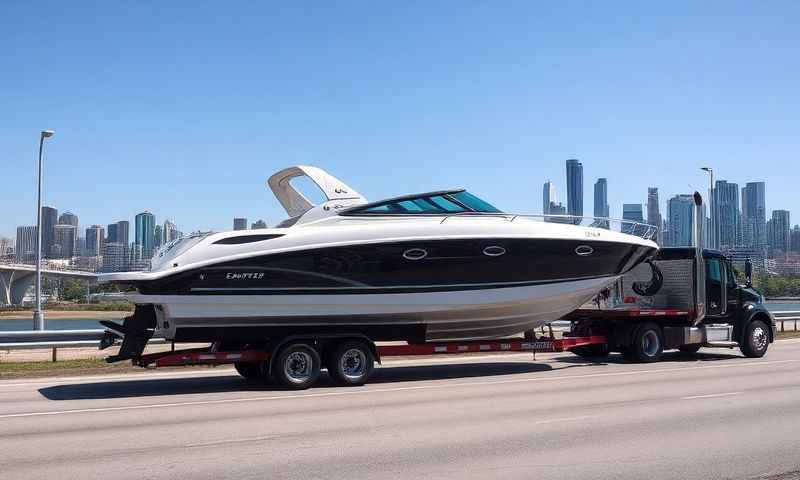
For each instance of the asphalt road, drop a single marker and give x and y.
(715, 416)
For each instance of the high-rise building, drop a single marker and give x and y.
(654, 214)
(779, 233)
(68, 218)
(111, 233)
(754, 215)
(601, 209)
(145, 230)
(726, 204)
(632, 212)
(240, 224)
(158, 237)
(794, 239)
(548, 197)
(680, 210)
(258, 224)
(171, 232)
(574, 187)
(95, 236)
(64, 238)
(49, 221)
(115, 257)
(123, 227)
(25, 248)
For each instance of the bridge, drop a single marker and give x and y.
(16, 279)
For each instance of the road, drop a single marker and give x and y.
(717, 416)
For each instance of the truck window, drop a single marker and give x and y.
(731, 274)
(713, 273)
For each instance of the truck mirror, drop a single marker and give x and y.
(748, 272)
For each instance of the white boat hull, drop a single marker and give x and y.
(446, 315)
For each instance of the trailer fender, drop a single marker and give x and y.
(753, 311)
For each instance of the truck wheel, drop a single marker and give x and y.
(690, 349)
(351, 363)
(249, 370)
(296, 366)
(756, 339)
(647, 344)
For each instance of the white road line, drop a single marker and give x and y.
(367, 390)
(711, 395)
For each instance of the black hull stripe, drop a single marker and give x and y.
(383, 290)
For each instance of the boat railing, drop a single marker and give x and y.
(631, 227)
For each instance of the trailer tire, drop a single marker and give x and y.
(249, 370)
(296, 366)
(690, 349)
(351, 363)
(756, 339)
(647, 344)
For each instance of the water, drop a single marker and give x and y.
(52, 324)
(92, 323)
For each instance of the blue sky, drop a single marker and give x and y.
(185, 108)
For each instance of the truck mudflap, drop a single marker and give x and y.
(135, 331)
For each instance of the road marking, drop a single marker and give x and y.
(367, 390)
(711, 395)
(567, 419)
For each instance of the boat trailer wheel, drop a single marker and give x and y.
(353, 363)
(297, 366)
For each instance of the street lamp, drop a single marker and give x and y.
(38, 317)
(712, 204)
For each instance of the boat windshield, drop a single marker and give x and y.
(454, 201)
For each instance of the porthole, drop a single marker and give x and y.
(584, 250)
(415, 254)
(494, 251)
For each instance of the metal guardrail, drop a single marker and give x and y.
(29, 339)
(790, 317)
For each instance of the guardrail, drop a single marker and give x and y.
(782, 318)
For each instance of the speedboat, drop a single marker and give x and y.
(436, 266)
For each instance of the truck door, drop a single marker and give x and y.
(715, 287)
(732, 289)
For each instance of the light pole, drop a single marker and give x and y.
(712, 207)
(38, 317)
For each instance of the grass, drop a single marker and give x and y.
(77, 307)
(789, 334)
(61, 368)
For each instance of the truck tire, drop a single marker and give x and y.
(249, 370)
(351, 363)
(690, 349)
(296, 366)
(756, 339)
(647, 344)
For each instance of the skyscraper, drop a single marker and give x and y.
(111, 233)
(601, 209)
(145, 230)
(779, 233)
(170, 231)
(794, 239)
(95, 236)
(68, 218)
(258, 224)
(65, 237)
(680, 210)
(115, 257)
(726, 201)
(123, 228)
(49, 221)
(574, 187)
(632, 212)
(240, 224)
(754, 215)
(158, 237)
(654, 213)
(25, 248)
(548, 197)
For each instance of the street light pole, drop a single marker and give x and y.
(38, 317)
(712, 206)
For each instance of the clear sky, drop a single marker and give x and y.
(185, 108)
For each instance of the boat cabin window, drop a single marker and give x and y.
(456, 201)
